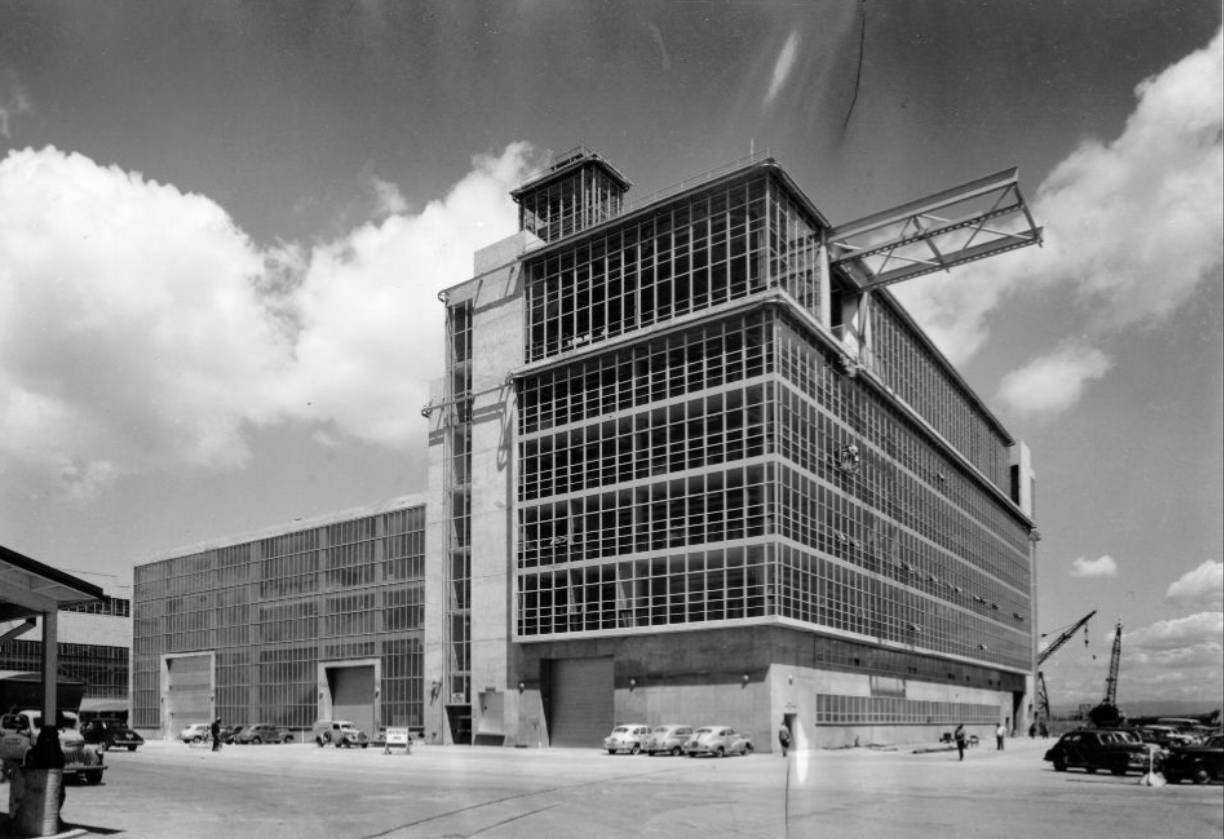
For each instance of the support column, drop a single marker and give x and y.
(50, 666)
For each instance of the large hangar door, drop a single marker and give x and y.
(352, 691)
(581, 699)
(189, 691)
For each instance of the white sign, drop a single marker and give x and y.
(397, 737)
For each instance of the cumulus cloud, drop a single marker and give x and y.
(1204, 628)
(1103, 566)
(1134, 226)
(141, 330)
(1049, 385)
(783, 66)
(1202, 587)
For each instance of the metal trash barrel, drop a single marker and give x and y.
(35, 798)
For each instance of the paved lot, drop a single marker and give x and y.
(269, 792)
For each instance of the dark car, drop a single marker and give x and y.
(264, 733)
(1118, 752)
(1199, 763)
(111, 735)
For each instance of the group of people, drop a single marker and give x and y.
(962, 740)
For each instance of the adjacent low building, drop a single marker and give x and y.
(318, 619)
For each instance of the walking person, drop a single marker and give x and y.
(960, 740)
(1000, 733)
(215, 731)
(784, 737)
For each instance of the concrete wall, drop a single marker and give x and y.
(496, 295)
(737, 676)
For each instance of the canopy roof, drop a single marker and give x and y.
(28, 588)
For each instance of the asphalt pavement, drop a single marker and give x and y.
(169, 789)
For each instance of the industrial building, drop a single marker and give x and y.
(94, 640)
(314, 620)
(690, 461)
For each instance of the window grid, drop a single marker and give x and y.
(839, 709)
(256, 606)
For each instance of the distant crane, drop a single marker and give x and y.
(1043, 697)
(1106, 714)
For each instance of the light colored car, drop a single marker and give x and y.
(19, 732)
(339, 733)
(668, 739)
(197, 732)
(627, 738)
(718, 741)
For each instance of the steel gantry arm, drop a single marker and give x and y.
(1064, 637)
(962, 224)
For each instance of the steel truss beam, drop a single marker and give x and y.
(963, 224)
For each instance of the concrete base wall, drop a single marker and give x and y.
(737, 676)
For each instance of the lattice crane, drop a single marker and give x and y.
(1107, 712)
(1043, 697)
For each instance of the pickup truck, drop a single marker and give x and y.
(18, 730)
(1115, 751)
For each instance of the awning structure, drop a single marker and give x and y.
(29, 588)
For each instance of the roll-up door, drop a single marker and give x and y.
(353, 696)
(189, 697)
(581, 701)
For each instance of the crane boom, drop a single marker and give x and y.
(1063, 637)
(1111, 681)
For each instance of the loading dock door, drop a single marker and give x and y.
(189, 694)
(581, 701)
(352, 691)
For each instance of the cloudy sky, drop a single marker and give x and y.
(223, 226)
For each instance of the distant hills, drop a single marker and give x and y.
(1151, 708)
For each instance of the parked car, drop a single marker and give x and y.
(1165, 736)
(1199, 763)
(339, 733)
(627, 738)
(111, 735)
(262, 732)
(19, 732)
(197, 732)
(668, 739)
(718, 741)
(1118, 752)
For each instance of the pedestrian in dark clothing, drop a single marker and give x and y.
(960, 740)
(215, 731)
(1032, 731)
(784, 738)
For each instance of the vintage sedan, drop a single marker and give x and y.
(1200, 763)
(111, 735)
(1118, 752)
(667, 739)
(627, 738)
(197, 732)
(718, 741)
(263, 733)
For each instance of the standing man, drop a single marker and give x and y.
(960, 740)
(215, 731)
(784, 737)
(1000, 733)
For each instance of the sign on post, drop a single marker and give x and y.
(398, 738)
